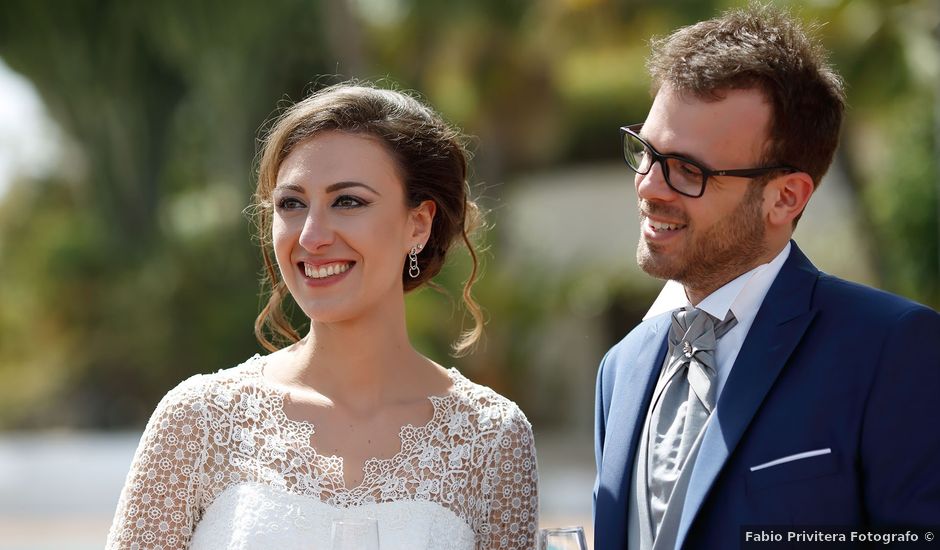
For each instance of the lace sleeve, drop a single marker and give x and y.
(159, 504)
(513, 511)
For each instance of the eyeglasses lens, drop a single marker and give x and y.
(636, 154)
(683, 176)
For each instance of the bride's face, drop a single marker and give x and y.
(341, 227)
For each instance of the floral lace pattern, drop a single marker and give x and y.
(475, 457)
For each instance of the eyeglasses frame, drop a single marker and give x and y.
(707, 173)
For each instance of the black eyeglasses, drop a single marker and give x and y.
(684, 176)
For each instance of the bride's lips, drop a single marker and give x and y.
(324, 273)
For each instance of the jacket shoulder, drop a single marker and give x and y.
(864, 302)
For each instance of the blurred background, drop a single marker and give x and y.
(128, 134)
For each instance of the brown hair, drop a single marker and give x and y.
(432, 159)
(765, 48)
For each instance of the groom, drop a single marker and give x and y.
(758, 391)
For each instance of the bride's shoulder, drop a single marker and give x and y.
(489, 406)
(200, 390)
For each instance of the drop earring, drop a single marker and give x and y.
(414, 270)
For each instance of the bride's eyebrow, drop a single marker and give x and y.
(290, 187)
(333, 187)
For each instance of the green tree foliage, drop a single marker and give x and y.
(889, 53)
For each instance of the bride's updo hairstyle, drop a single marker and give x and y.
(432, 161)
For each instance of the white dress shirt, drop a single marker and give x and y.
(743, 296)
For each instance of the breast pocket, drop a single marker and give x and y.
(792, 468)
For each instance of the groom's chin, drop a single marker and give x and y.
(651, 262)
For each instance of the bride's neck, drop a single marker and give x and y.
(363, 360)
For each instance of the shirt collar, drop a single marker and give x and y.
(742, 296)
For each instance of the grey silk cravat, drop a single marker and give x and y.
(684, 399)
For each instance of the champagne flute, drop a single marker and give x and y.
(355, 534)
(562, 538)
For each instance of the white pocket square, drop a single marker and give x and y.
(791, 458)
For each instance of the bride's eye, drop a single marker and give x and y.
(349, 201)
(288, 203)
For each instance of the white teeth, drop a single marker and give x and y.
(325, 270)
(659, 226)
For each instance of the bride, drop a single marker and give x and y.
(361, 192)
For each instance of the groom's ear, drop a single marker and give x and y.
(785, 197)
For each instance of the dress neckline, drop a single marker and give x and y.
(255, 365)
(334, 465)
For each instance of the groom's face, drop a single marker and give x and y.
(704, 242)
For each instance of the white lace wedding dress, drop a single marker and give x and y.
(221, 466)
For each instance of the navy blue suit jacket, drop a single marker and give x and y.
(827, 364)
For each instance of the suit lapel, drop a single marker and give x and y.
(633, 388)
(782, 320)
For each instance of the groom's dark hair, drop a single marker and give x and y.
(765, 48)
